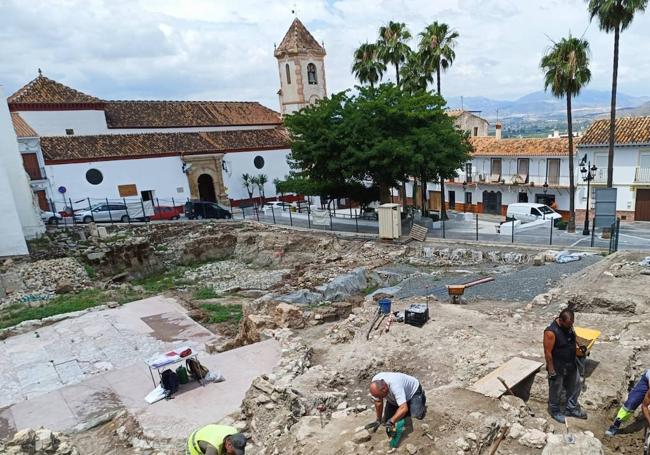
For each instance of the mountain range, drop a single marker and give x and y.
(543, 106)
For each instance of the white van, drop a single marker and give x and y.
(528, 211)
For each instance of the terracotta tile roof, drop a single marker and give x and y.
(455, 112)
(298, 40)
(43, 90)
(491, 146)
(125, 146)
(170, 114)
(630, 130)
(21, 127)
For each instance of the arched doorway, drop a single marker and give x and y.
(206, 188)
(492, 202)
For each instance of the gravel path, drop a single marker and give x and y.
(519, 285)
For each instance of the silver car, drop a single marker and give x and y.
(103, 213)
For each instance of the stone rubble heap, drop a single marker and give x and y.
(231, 275)
(38, 442)
(32, 283)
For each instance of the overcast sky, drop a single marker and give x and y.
(223, 49)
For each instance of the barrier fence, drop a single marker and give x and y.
(458, 226)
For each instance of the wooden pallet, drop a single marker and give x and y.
(513, 372)
(418, 233)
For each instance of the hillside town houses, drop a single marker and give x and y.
(77, 149)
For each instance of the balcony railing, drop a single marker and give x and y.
(601, 175)
(642, 175)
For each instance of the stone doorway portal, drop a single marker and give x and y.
(206, 188)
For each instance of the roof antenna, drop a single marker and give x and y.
(40, 73)
(294, 10)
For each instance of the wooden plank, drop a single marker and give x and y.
(513, 372)
(418, 233)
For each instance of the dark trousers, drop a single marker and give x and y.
(569, 381)
(417, 406)
(636, 395)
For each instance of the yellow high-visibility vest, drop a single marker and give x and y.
(213, 435)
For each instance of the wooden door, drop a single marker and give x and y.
(642, 206)
(434, 200)
(42, 200)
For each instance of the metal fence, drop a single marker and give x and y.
(458, 226)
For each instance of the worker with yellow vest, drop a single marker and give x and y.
(216, 440)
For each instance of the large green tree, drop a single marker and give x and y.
(367, 67)
(392, 45)
(566, 71)
(614, 16)
(380, 135)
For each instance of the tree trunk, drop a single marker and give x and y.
(571, 227)
(443, 210)
(384, 193)
(612, 118)
(403, 194)
(423, 189)
(397, 73)
(414, 192)
(438, 77)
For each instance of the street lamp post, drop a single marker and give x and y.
(464, 197)
(588, 174)
(545, 190)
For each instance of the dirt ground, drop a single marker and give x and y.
(307, 290)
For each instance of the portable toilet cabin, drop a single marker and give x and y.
(390, 221)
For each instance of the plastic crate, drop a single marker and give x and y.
(417, 314)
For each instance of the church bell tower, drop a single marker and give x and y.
(301, 62)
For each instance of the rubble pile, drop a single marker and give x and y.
(231, 276)
(38, 442)
(33, 283)
(427, 255)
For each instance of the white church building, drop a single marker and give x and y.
(78, 148)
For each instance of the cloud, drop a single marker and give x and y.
(197, 49)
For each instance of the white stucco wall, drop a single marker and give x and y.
(12, 240)
(275, 166)
(163, 175)
(626, 161)
(18, 197)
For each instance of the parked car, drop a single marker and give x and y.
(50, 217)
(102, 213)
(114, 212)
(164, 212)
(200, 210)
(528, 211)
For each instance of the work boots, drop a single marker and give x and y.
(615, 428)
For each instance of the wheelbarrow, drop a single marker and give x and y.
(456, 291)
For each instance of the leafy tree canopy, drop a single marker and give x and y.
(380, 135)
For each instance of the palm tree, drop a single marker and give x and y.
(414, 75)
(262, 179)
(437, 44)
(247, 180)
(255, 183)
(566, 72)
(367, 67)
(392, 47)
(614, 16)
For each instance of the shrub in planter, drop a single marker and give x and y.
(561, 224)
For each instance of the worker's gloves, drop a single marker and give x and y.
(584, 351)
(390, 428)
(373, 426)
(552, 376)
